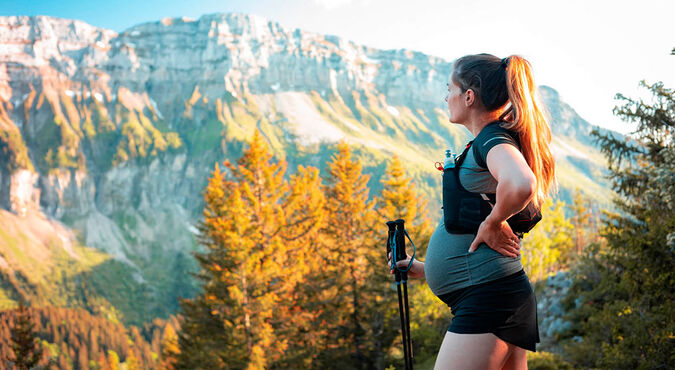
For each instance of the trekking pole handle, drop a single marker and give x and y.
(400, 240)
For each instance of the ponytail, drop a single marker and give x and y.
(509, 80)
(529, 120)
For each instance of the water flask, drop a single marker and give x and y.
(449, 161)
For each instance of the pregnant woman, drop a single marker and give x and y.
(490, 197)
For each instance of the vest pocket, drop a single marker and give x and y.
(470, 213)
(469, 209)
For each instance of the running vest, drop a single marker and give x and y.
(464, 211)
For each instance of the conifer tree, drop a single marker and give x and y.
(82, 358)
(205, 339)
(623, 297)
(352, 256)
(103, 362)
(400, 199)
(305, 210)
(169, 348)
(249, 268)
(27, 350)
(131, 361)
(63, 361)
(113, 360)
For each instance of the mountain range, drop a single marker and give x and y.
(107, 140)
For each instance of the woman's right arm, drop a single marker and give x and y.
(516, 185)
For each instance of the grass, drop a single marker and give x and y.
(13, 151)
(329, 112)
(58, 142)
(89, 278)
(205, 138)
(15, 251)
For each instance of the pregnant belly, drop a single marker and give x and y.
(448, 266)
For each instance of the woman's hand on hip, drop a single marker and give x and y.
(416, 269)
(498, 236)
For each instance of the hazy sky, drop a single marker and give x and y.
(587, 50)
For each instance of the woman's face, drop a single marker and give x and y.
(456, 105)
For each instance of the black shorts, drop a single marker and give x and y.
(505, 307)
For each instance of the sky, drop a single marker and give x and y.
(588, 50)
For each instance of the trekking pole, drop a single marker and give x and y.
(397, 249)
(400, 241)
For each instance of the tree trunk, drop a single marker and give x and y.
(247, 316)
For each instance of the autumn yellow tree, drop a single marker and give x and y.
(210, 334)
(131, 361)
(351, 255)
(546, 248)
(401, 199)
(253, 225)
(113, 360)
(169, 348)
(306, 215)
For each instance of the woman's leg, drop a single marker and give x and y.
(473, 351)
(517, 360)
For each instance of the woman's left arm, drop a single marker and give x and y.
(516, 186)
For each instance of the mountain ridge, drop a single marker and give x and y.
(114, 136)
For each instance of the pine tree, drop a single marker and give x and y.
(212, 332)
(131, 361)
(82, 358)
(622, 298)
(351, 256)
(169, 348)
(63, 361)
(262, 282)
(401, 200)
(113, 360)
(249, 269)
(103, 362)
(27, 349)
(305, 210)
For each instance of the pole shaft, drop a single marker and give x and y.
(402, 312)
(407, 321)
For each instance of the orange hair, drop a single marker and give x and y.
(530, 121)
(500, 81)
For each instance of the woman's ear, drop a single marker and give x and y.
(469, 97)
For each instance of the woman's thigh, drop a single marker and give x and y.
(517, 360)
(472, 351)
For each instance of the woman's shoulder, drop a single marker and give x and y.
(497, 128)
(490, 136)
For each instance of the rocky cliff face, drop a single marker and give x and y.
(115, 134)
